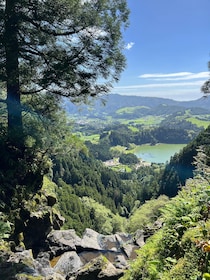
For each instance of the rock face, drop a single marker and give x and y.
(69, 257)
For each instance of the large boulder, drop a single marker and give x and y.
(68, 262)
(62, 241)
(90, 240)
(98, 268)
(22, 266)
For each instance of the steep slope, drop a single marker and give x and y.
(180, 249)
(181, 165)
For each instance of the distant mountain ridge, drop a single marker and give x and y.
(109, 104)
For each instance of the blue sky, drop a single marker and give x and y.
(167, 47)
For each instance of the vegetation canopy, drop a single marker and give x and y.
(70, 48)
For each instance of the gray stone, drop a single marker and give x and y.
(110, 272)
(121, 262)
(99, 268)
(139, 237)
(67, 256)
(129, 250)
(68, 263)
(87, 256)
(110, 242)
(91, 240)
(63, 240)
(122, 237)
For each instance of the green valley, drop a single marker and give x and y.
(94, 185)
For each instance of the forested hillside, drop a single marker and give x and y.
(114, 102)
(181, 165)
(80, 176)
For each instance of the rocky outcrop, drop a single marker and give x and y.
(68, 257)
(36, 218)
(77, 257)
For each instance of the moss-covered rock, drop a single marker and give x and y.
(37, 217)
(99, 268)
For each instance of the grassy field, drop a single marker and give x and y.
(198, 122)
(121, 168)
(144, 121)
(94, 138)
(130, 110)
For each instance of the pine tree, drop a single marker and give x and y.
(70, 48)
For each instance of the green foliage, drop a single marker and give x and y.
(143, 183)
(21, 174)
(5, 227)
(128, 159)
(48, 186)
(122, 135)
(101, 150)
(88, 177)
(125, 135)
(147, 265)
(47, 128)
(199, 122)
(76, 53)
(206, 87)
(104, 220)
(206, 276)
(85, 212)
(181, 165)
(73, 210)
(146, 214)
(201, 161)
(181, 248)
(48, 50)
(79, 175)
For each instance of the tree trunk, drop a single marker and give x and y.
(15, 126)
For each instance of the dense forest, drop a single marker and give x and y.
(181, 166)
(83, 176)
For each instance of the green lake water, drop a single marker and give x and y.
(159, 153)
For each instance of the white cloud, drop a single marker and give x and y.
(176, 76)
(160, 75)
(186, 90)
(162, 85)
(129, 45)
(177, 86)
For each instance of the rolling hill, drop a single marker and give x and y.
(110, 104)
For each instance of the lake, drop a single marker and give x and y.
(159, 153)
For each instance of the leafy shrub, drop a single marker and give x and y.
(146, 214)
(181, 249)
